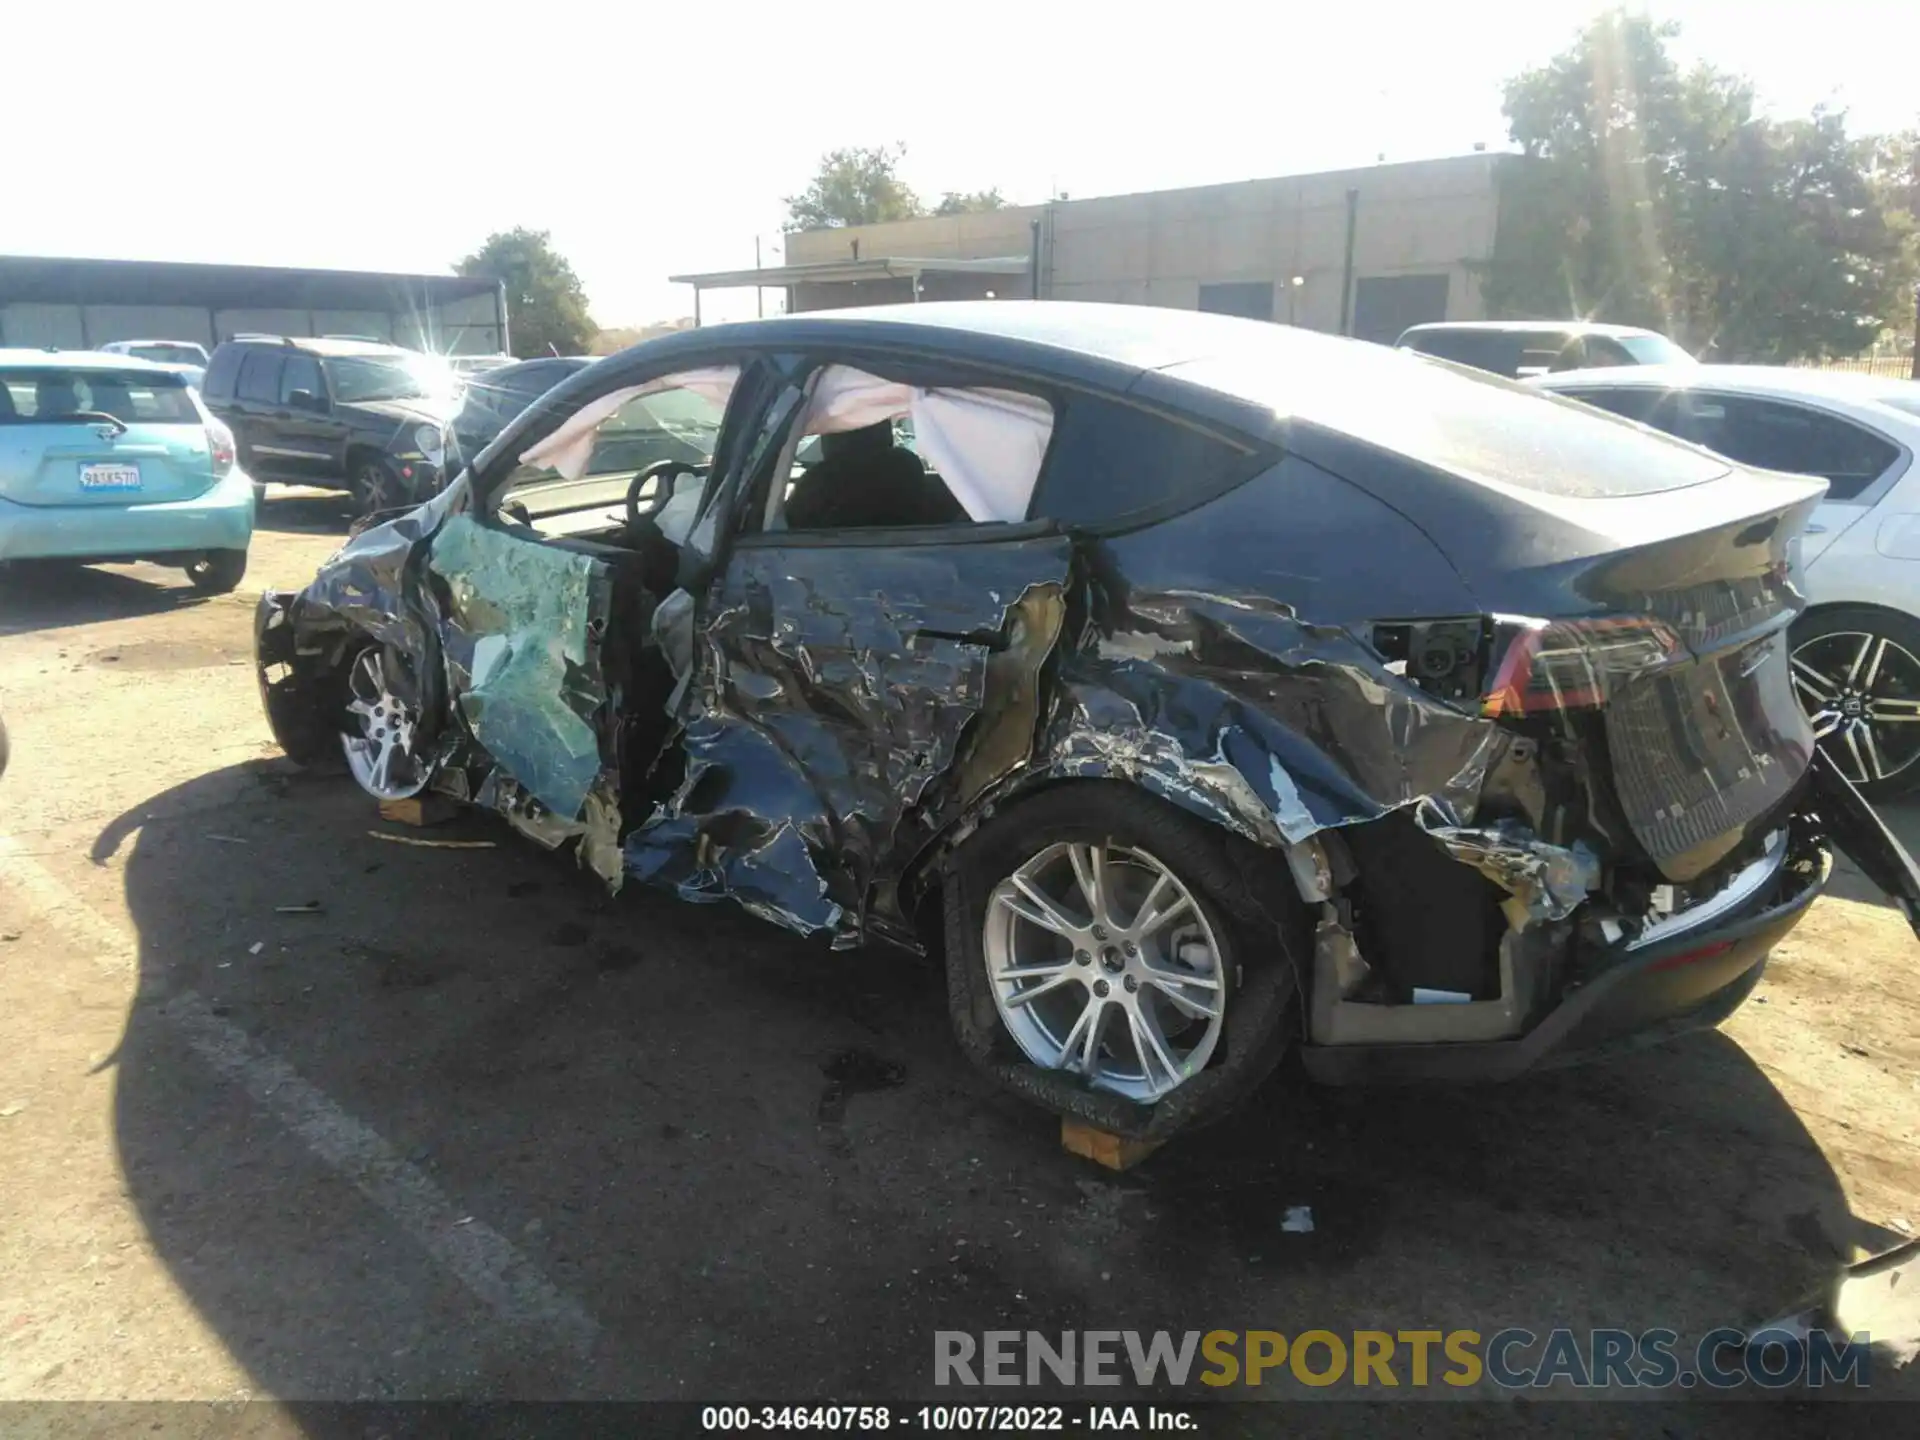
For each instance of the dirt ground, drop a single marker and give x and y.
(475, 1130)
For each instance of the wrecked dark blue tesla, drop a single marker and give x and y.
(1208, 686)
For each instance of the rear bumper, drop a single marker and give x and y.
(1691, 982)
(220, 519)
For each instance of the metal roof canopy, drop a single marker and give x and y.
(52, 280)
(832, 272)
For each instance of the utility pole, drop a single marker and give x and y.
(759, 295)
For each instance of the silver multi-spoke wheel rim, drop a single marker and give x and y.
(383, 725)
(1861, 693)
(1103, 963)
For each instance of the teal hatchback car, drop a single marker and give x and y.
(106, 458)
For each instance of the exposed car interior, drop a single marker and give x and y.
(877, 454)
(866, 479)
(628, 470)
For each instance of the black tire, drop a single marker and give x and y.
(375, 484)
(1882, 760)
(218, 571)
(1248, 898)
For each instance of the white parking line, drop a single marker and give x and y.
(479, 1256)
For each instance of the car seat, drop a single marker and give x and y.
(55, 397)
(866, 481)
(113, 399)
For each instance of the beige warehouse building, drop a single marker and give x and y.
(1365, 252)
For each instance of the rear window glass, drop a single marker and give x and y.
(170, 354)
(1482, 349)
(49, 396)
(1469, 422)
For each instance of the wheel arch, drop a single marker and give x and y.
(1264, 1021)
(1827, 607)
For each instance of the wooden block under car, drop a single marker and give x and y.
(1103, 1147)
(421, 810)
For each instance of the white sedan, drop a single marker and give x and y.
(1856, 658)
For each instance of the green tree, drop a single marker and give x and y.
(855, 186)
(1896, 174)
(546, 306)
(969, 202)
(1655, 196)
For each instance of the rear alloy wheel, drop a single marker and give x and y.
(218, 571)
(1118, 960)
(1856, 672)
(1103, 963)
(383, 734)
(376, 485)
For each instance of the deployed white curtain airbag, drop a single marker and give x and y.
(987, 445)
(570, 448)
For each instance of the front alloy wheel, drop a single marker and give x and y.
(1860, 689)
(1102, 963)
(384, 715)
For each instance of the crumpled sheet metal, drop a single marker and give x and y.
(1276, 728)
(745, 825)
(832, 722)
(369, 583)
(521, 635)
(1547, 882)
(597, 829)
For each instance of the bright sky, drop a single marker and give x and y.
(655, 139)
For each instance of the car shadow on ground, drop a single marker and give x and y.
(412, 1122)
(45, 595)
(303, 511)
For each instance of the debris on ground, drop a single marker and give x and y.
(309, 907)
(227, 839)
(420, 810)
(433, 844)
(11, 1109)
(1902, 1224)
(1298, 1220)
(256, 947)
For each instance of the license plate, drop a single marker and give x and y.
(109, 477)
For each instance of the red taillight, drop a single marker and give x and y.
(219, 447)
(1692, 957)
(1571, 664)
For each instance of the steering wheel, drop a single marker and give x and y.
(656, 474)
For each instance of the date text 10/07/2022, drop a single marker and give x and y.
(987, 1419)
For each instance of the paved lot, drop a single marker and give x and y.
(475, 1130)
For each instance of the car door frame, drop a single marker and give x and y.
(311, 442)
(494, 466)
(255, 425)
(1025, 553)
